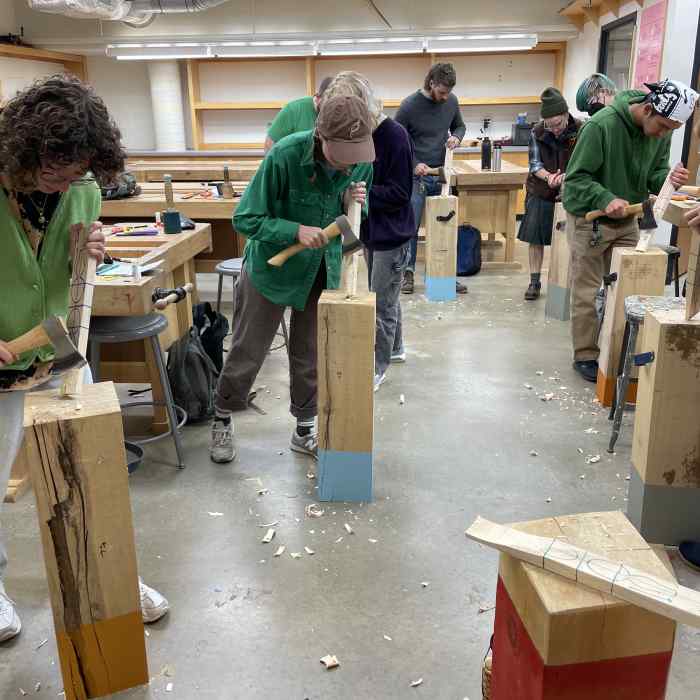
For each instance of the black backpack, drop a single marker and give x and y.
(192, 377)
(468, 251)
(213, 328)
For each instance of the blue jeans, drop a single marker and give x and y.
(423, 186)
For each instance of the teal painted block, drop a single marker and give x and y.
(441, 288)
(344, 476)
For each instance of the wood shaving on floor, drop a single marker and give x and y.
(280, 551)
(268, 536)
(330, 661)
(313, 510)
(348, 529)
(309, 551)
(415, 684)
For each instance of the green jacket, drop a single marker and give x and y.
(291, 188)
(295, 116)
(36, 287)
(613, 158)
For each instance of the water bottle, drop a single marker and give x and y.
(496, 159)
(486, 153)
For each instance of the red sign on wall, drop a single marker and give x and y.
(650, 44)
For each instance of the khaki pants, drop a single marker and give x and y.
(255, 322)
(589, 264)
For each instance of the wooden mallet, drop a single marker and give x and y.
(630, 210)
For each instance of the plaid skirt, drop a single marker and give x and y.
(537, 222)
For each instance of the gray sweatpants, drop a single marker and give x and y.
(386, 269)
(255, 322)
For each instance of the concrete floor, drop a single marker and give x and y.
(250, 626)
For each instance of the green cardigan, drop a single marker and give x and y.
(36, 287)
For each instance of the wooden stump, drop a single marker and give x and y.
(665, 477)
(441, 248)
(345, 396)
(558, 304)
(637, 273)
(78, 470)
(555, 640)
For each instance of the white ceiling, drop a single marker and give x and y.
(282, 17)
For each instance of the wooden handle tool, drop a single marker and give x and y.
(629, 211)
(37, 337)
(174, 296)
(340, 227)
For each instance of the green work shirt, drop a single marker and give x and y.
(295, 116)
(291, 188)
(35, 287)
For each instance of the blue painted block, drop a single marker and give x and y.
(441, 288)
(344, 476)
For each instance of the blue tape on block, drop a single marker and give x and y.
(344, 476)
(441, 288)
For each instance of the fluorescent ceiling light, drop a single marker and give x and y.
(468, 44)
(378, 45)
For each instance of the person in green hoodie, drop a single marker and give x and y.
(52, 136)
(620, 158)
(304, 183)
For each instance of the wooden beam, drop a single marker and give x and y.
(270, 104)
(591, 14)
(559, 68)
(31, 54)
(345, 396)
(558, 303)
(441, 221)
(593, 570)
(194, 95)
(637, 273)
(310, 71)
(611, 6)
(78, 471)
(692, 298)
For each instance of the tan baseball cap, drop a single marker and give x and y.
(345, 125)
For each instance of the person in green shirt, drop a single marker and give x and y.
(304, 183)
(620, 158)
(295, 116)
(51, 136)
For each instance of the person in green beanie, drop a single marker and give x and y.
(621, 157)
(594, 93)
(551, 143)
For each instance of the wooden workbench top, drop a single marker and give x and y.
(469, 173)
(150, 201)
(193, 170)
(676, 211)
(125, 296)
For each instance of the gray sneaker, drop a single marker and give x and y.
(305, 444)
(221, 449)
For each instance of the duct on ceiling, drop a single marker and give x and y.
(136, 12)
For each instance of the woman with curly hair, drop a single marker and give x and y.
(56, 140)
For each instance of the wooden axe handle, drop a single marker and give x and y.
(331, 231)
(629, 211)
(35, 338)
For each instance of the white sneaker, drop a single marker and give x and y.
(379, 379)
(10, 624)
(398, 357)
(305, 444)
(153, 604)
(221, 449)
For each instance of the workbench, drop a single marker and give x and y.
(124, 296)
(489, 201)
(215, 211)
(675, 214)
(188, 169)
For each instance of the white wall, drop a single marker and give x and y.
(8, 19)
(17, 74)
(124, 87)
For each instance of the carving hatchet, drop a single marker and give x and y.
(340, 227)
(51, 331)
(647, 226)
(439, 173)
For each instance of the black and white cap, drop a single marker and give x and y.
(672, 99)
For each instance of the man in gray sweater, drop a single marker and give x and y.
(433, 120)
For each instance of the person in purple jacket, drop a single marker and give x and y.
(387, 231)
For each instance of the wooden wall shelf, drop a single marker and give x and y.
(199, 107)
(579, 12)
(73, 63)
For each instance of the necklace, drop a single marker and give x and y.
(40, 209)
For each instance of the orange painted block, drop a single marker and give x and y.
(605, 389)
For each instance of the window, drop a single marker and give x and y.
(616, 45)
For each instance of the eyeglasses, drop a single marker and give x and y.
(556, 124)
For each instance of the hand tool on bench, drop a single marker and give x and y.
(227, 187)
(51, 331)
(439, 173)
(171, 217)
(340, 227)
(164, 297)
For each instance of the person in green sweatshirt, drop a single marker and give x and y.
(304, 183)
(620, 158)
(56, 140)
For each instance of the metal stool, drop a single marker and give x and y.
(674, 256)
(122, 329)
(227, 268)
(232, 268)
(635, 309)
